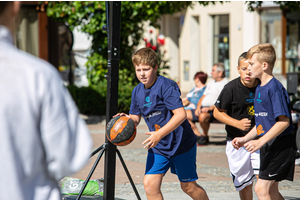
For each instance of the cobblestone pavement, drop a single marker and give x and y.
(212, 168)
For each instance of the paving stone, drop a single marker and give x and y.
(212, 167)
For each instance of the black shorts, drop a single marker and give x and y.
(277, 159)
(196, 119)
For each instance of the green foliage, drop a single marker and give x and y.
(124, 91)
(91, 100)
(91, 16)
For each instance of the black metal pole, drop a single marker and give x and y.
(70, 77)
(113, 18)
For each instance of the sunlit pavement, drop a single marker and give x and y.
(212, 168)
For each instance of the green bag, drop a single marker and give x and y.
(72, 186)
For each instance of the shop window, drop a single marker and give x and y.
(186, 70)
(66, 64)
(271, 32)
(27, 32)
(221, 40)
(293, 42)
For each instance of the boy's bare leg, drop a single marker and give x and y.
(274, 192)
(263, 189)
(194, 190)
(152, 184)
(246, 193)
(189, 116)
(204, 122)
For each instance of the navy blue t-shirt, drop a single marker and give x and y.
(271, 101)
(155, 105)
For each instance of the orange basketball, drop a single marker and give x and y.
(120, 130)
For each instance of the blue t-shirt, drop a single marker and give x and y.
(155, 104)
(271, 101)
(195, 97)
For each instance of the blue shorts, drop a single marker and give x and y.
(183, 165)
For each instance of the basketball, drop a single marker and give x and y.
(120, 130)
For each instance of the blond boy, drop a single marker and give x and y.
(273, 125)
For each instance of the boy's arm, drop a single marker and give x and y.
(282, 123)
(179, 115)
(136, 119)
(222, 116)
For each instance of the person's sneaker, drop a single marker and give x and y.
(203, 140)
(198, 137)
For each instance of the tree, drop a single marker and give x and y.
(91, 16)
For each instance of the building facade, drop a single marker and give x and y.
(47, 39)
(202, 36)
(193, 40)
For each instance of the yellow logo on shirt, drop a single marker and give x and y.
(250, 110)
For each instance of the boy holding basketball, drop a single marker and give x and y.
(273, 125)
(234, 107)
(171, 142)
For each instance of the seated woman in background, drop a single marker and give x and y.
(192, 98)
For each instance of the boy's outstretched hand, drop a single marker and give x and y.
(151, 141)
(238, 142)
(253, 145)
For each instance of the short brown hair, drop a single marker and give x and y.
(201, 76)
(3, 5)
(265, 53)
(243, 56)
(146, 56)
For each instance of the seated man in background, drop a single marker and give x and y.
(205, 106)
(192, 98)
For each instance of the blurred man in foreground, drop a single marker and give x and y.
(42, 137)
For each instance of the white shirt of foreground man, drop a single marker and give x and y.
(42, 137)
